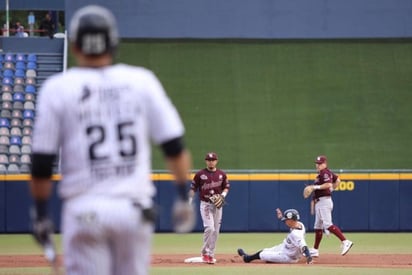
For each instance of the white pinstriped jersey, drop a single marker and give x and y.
(104, 121)
(294, 242)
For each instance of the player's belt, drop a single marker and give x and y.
(322, 198)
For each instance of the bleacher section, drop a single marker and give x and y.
(22, 74)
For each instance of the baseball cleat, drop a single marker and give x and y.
(244, 256)
(346, 246)
(314, 252)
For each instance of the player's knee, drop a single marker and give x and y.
(209, 229)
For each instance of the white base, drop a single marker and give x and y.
(196, 260)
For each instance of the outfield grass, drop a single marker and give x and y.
(165, 243)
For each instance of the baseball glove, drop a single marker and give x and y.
(308, 191)
(218, 200)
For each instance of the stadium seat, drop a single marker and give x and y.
(29, 105)
(20, 57)
(25, 159)
(8, 73)
(4, 140)
(29, 97)
(26, 140)
(15, 122)
(3, 169)
(9, 57)
(20, 65)
(28, 122)
(4, 122)
(19, 81)
(19, 73)
(6, 97)
(25, 169)
(28, 114)
(18, 88)
(18, 105)
(6, 88)
(14, 150)
(17, 114)
(1, 58)
(4, 149)
(4, 159)
(15, 140)
(13, 168)
(7, 81)
(6, 105)
(32, 57)
(4, 131)
(26, 149)
(31, 65)
(31, 73)
(5, 113)
(30, 81)
(30, 89)
(27, 131)
(16, 131)
(18, 96)
(14, 159)
(8, 65)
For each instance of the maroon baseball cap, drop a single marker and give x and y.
(320, 159)
(211, 156)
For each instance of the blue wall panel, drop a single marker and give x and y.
(378, 205)
(383, 205)
(405, 205)
(2, 206)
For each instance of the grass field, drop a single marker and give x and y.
(165, 243)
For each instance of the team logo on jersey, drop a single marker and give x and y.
(203, 177)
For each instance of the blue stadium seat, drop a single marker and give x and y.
(20, 57)
(17, 96)
(28, 114)
(4, 122)
(32, 57)
(1, 57)
(7, 81)
(9, 57)
(20, 65)
(19, 73)
(30, 89)
(8, 73)
(15, 140)
(31, 65)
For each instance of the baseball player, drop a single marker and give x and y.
(213, 186)
(293, 247)
(100, 118)
(322, 206)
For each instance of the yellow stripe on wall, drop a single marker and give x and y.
(257, 177)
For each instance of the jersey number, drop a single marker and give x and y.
(127, 140)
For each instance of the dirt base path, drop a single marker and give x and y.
(351, 260)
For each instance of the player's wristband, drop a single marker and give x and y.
(317, 187)
(181, 191)
(224, 194)
(41, 208)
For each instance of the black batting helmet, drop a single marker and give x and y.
(93, 30)
(291, 214)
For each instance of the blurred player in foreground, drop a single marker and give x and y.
(293, 247)
(101, 118)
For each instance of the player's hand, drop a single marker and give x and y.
(309, 260)
(183, 216)
(279, 213)
(42, 228)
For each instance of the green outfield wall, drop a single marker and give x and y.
(362, 202)
(276, 104)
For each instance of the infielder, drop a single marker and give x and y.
(322, 206)
(293, 247)
(213, 186)
(101, 118)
